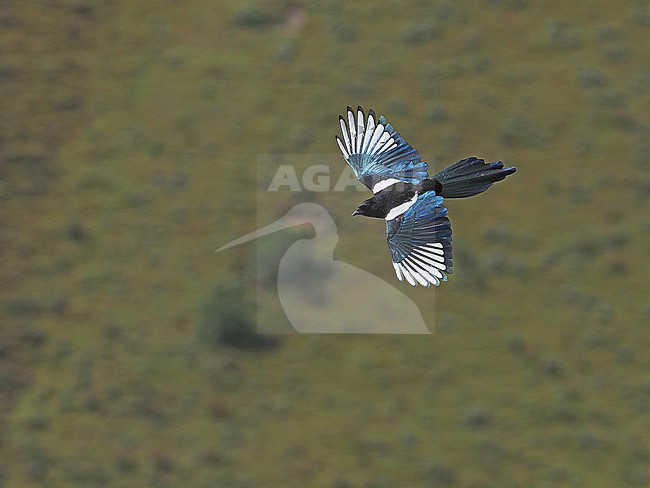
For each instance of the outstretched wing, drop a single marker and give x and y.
(420, 242)
(376, 152)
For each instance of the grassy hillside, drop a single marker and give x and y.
(129, 141)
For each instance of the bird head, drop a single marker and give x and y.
(360, 210)
(368, 208)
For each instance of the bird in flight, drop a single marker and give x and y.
(417, 228)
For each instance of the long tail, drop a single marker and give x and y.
(471, 176)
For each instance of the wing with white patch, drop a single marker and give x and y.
(420, 242)
(376, 152)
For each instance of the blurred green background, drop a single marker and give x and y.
(129, 133)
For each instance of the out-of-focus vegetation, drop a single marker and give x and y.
(228, 318)
(128, 139)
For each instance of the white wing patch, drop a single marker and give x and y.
(363, 136)
(400, 209)
(424, 265)
(383, 184)
(398, 271)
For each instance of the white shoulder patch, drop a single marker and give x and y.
(400, 209)
(382, 185)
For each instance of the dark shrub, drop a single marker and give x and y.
(227, 317)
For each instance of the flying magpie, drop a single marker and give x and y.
(417, 228)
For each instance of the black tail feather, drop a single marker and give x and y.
(471, 176)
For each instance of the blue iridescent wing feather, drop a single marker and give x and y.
(376, 152)
(420, 242)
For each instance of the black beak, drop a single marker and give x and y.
(356, 212)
